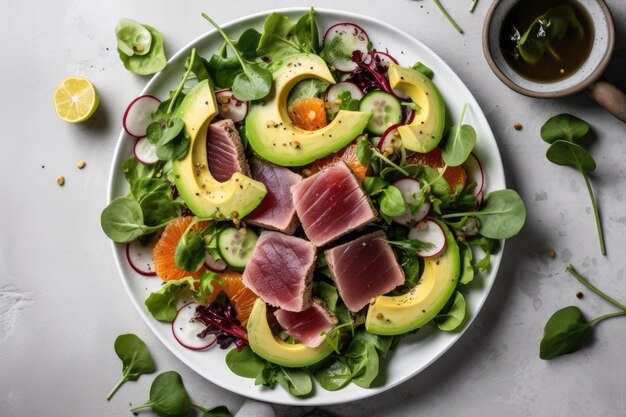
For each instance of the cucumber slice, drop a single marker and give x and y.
(385, 108)
(236, 247)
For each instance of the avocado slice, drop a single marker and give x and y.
(400, 314)
(273, 136)
(204, 195)
(424, 133)
(269, 347)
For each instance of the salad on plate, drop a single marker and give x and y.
(306, 204)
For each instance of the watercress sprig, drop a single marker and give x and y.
(447, 16)
(567, 329)
(460, 142)
(136, 359)
(254, 82)
(563, 132)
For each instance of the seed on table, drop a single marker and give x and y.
(61, 180)
(579, 294)
(81, 164)
(551, 254)
(518, 126)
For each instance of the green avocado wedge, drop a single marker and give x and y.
(273, 136)
(206, 197)
(271, 348)
(394, 315)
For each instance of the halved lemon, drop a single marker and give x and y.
(75, 99)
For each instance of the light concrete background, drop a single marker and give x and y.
(62, 303)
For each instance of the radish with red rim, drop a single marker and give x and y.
(185, 329)
(351, 38)
(229, 107)
(140, 258)
(138, 115)
(429, 231)
(412, 193)
(390, 138)
(213, 265)
(334, 91)
(145, 152)
(474, 170)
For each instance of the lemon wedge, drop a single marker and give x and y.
(75, 99)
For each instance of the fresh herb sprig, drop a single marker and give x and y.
(447, 16)
(563, 132)
(567, 329)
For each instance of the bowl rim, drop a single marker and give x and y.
(575, 88)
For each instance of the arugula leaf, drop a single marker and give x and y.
(168, 397)
(136, 359)
(162, 303)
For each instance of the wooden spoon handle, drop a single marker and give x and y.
(610, 97)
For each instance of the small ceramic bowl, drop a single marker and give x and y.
(586, 78)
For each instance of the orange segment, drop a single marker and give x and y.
(240, 296)
(308, 113)
(456, 176)
(348, 155)
(163, 253)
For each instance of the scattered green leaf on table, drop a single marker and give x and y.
(136, 359)
(168, 397)
(150, 63)
(565, 332)
(570, 154)
(564, 127)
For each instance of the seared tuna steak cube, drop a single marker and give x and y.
(308, 326)
(331, 203)
(225, 151)
(276, 211)
(364, 269)
(280, 271)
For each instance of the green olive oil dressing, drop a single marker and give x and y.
(546, 40)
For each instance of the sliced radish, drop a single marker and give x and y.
(411, 190)
(213, 265)
(334, 91)
(409, 115)
(353, 38)
(145, 152)
(229, 107)
(383, 59)
(140, 258)
(138, 115)
(429, 231)
(186, 330)
(390, 137)
(475, 171)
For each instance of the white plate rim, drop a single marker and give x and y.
(330, 397)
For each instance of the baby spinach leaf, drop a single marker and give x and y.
(150, 63)
(383, 344)
(460, 142)
(565, 332)
(136, 359)
(452, 315)
(564, 127)
(283, 36)
(570, 154)
(168, 397)
(143, 187)
(245, 363)
(335, 374)
(198, 68)
(134, 170)
(219, 411)
(392, 203)
(306, 32)
(122, 220)
(190, 253)
(411, 266)
(248, 43)
(222, 68)
(562, 131)
(158, 210)
(372, 185)
(363, 361)
(162, 303)
(364, 152)
(411, 245)
(296, 381)
(421, 67)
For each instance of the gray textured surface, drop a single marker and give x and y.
(62, 303)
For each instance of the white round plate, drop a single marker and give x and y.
(415, 352)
